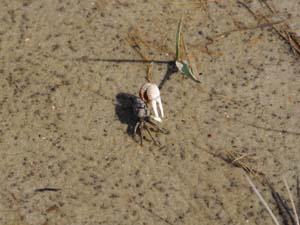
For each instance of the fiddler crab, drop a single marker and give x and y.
(149, 93)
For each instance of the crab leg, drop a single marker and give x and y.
(153, 139)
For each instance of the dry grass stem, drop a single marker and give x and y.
(292, 201)
(262, 200)
(241, 161)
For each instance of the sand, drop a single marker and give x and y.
(60, 125)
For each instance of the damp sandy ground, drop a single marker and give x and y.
(60, 125)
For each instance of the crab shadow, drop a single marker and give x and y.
(124, 111)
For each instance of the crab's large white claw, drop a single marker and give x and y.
(154, 104)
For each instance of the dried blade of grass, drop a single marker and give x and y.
(192, 67)
(262, 199)
(292, 201)
(178, 42)
(241, 157)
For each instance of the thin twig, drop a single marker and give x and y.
(46, 189)
(298, 193)
(87, 59)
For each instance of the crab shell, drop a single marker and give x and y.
(141, 109)
(150, 93)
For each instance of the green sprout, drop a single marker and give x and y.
(182, 65)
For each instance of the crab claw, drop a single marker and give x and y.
(154, 104)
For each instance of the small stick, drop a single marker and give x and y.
(298, 191)
(193, 70)
(46, 189)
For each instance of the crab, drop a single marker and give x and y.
(143, 118)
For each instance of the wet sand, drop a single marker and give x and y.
(60, 126)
